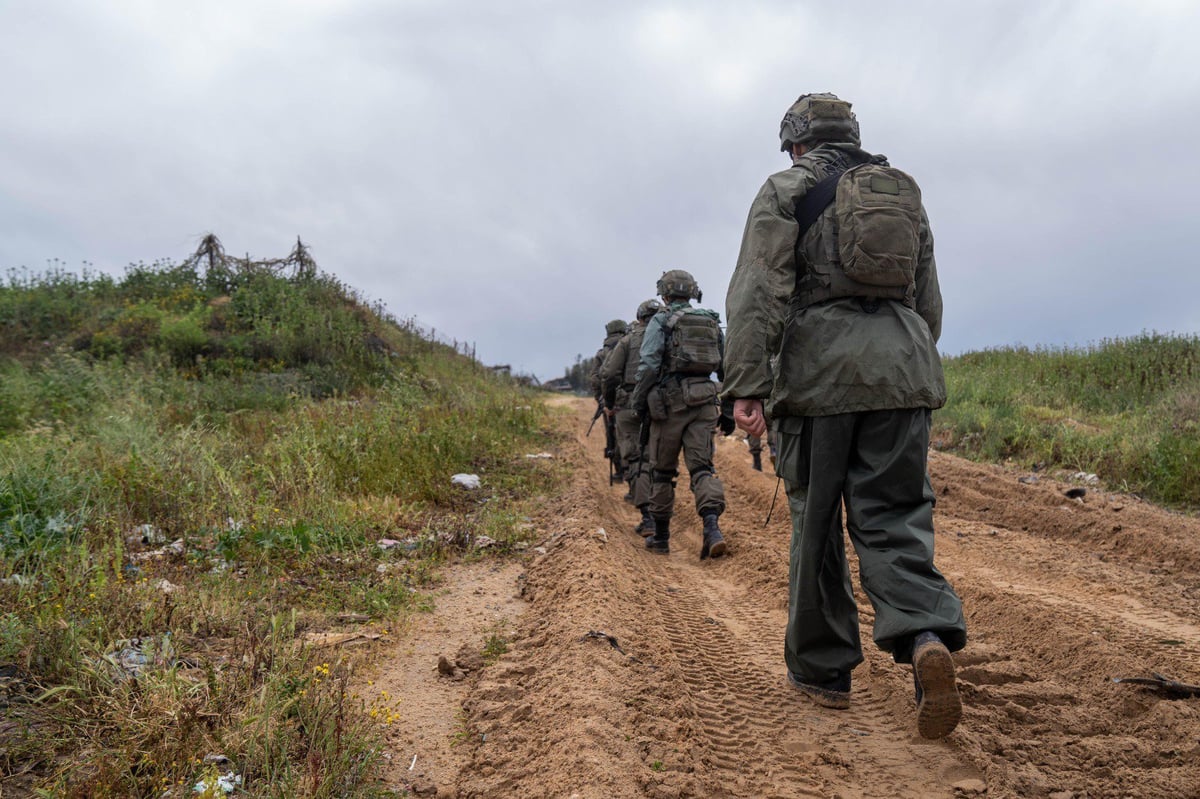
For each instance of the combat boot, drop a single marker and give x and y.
(714, 542)
(757, 465)
(658, 542)
(939, 706)
(646, 525)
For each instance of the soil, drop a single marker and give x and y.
(636, 675)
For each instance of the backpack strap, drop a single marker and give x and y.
(814, 202)
(673, 320)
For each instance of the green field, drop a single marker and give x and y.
(1127, 410)
(196, 463)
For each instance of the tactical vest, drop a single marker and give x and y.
(633, 355)
(871, 240)
(693, 342)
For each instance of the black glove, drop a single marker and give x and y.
(726, 425)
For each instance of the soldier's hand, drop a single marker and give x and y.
(748, 415)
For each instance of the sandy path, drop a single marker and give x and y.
(1061, 595)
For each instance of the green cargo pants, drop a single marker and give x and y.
(874, 464)
(689, 430)
(637, 474)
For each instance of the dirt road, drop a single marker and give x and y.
(687, 697)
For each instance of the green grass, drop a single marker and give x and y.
(1124, 409)
(277, 427)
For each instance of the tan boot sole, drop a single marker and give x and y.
(941, 707)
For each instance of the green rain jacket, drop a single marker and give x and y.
(594, 381)
(831, 357)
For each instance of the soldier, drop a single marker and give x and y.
(846, 297)
(681, 348)
(612, 334)
(756, 447)
(618, 377)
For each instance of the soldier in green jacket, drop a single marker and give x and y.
(834, 313)
(618, 377)
(681, 348)
(755, 443)
(613, 331)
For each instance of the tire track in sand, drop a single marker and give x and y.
(1058, 597)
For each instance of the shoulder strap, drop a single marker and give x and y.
(816, 200)
(673, 319)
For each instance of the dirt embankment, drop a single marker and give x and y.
(635, 675)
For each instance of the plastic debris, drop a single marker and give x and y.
(225, 783)
(176, 547)
(133, 656)
(150, 535)
(468, 481)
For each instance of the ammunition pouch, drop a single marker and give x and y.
(656, 404)
(698, 391)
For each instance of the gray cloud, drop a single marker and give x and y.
(517, 174)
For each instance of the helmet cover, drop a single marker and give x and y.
(818, 117)
(616, 326)
(647, 309)
(678, 283)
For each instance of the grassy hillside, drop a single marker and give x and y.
(1127, 410)
(196, 463)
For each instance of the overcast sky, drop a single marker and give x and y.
(516, 174)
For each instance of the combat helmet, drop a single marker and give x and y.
(818, 117)
(616, 326)
(678, 283)
(647, 309)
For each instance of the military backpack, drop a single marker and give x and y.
(877, 219)
(693, 342)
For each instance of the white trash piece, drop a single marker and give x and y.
(468, 481)
(225, 783)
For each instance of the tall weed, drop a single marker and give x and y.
(1125, 409)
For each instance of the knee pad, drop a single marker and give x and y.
(663, 477)
(703, 471)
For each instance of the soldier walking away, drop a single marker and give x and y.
(612, 334)
(681, 348)
(755, 443)
(836, 279)
(618, 377)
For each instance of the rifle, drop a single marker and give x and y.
(643, 443)
(612, 450)
(598, 414)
